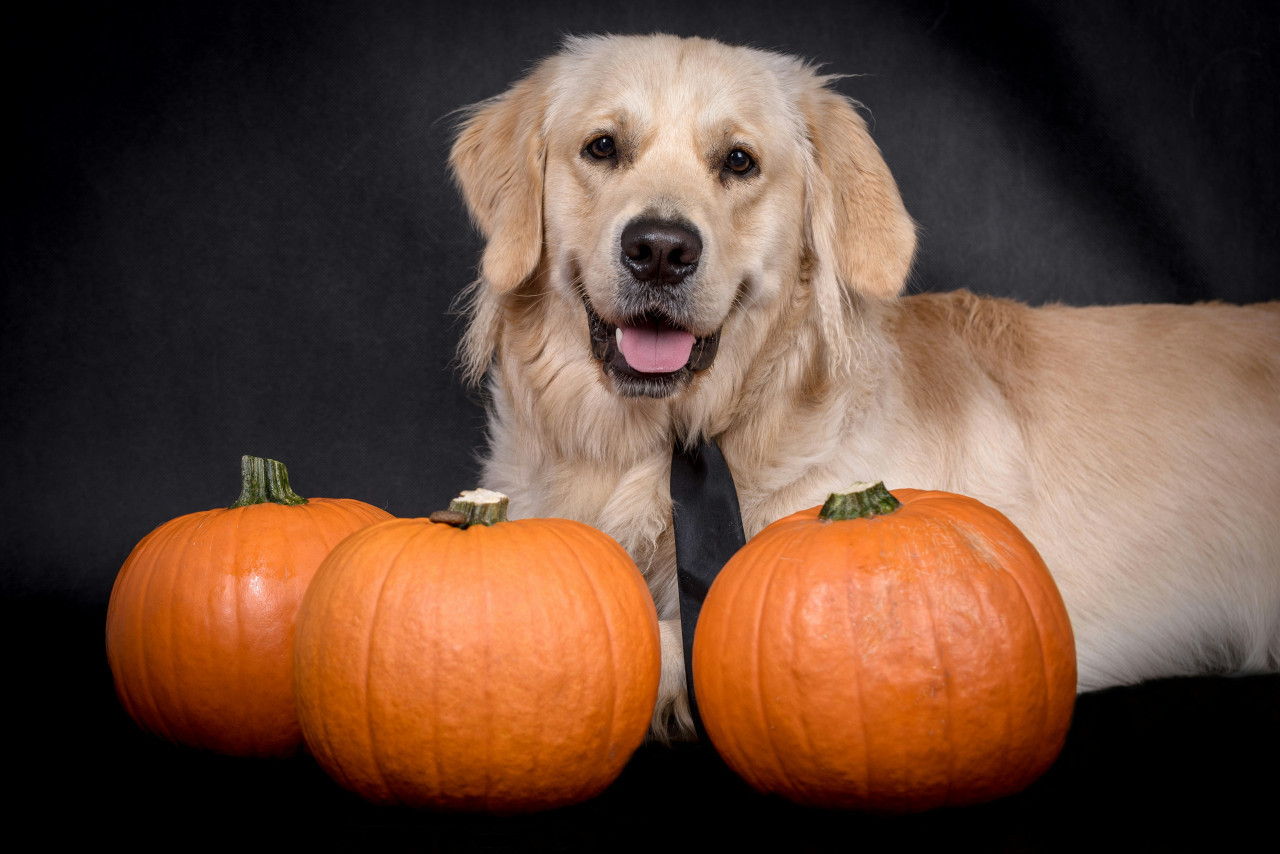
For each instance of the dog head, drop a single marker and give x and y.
(673, 196)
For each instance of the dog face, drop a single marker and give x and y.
(694, 196)
(678, 196)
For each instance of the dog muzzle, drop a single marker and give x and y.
(649, 356)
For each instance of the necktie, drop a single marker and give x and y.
(708, 531)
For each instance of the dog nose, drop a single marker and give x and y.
(660, 252)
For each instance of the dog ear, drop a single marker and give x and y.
(859, 229)
(497, 162)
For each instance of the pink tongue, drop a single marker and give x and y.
(655, 348)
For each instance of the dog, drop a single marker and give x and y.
(685, 239)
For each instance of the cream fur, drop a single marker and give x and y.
(1138, 447)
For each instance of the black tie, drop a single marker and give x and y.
(708, 530)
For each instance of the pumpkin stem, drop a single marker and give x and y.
(860, 501)
(265, 481)
(474, 507)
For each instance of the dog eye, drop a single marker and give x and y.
(602, 147)
(738, 161)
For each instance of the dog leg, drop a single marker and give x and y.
(672, 720)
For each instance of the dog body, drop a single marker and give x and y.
(686, 239)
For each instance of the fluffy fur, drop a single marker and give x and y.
(1138, 447)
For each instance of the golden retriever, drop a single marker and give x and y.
(688, 239)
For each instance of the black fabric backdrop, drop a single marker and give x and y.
(228, 229)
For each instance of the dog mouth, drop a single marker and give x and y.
(649, 355)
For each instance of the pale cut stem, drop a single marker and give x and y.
(481, 506)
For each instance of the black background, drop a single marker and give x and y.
(228, 229)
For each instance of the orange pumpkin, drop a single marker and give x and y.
(474, 663)
(889, 652)
(200, 620)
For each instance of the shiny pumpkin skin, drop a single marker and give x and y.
(201, 618)
(507, 668)
(893, 664)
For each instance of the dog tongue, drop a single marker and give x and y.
(655, 348)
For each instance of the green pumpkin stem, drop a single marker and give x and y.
(859, 501)
(265, 481)
(474, 507)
